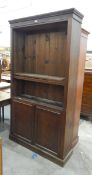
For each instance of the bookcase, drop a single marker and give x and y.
(45, 57)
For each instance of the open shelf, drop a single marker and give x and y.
(40, 78)
(41, 101)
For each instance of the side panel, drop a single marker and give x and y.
(72, 85)
(79, 87)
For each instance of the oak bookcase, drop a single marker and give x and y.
(45, 57)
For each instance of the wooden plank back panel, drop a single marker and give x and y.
(41, 50)
(51, 92)
(18, 52)
(57, 54)
(31, 54)
(43, 53)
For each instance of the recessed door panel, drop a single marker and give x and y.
(48, 129)
(23, 119)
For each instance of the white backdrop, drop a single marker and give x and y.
(11, 9)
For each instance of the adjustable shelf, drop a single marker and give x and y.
(40, 101)
(40, 78)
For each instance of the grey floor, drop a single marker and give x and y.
(18, 160)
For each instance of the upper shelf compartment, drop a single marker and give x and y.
(42, 52)
(41, 78)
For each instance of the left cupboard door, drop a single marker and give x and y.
(23, 120)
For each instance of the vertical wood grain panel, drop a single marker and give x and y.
(48, 129)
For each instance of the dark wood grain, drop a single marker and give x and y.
(45, 83)
(40, 78)
(47, 120)
(80, 80)
(86, 108)
(23, 112)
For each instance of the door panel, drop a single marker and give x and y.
(23, 119)
(48, 129)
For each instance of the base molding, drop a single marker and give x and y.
(75, 141)
(87, 116)
(41, 152)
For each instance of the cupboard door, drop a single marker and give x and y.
(23, 119)
(48, 129)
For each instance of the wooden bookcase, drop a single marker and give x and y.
(45, 53)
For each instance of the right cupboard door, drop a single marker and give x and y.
(48, 129)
